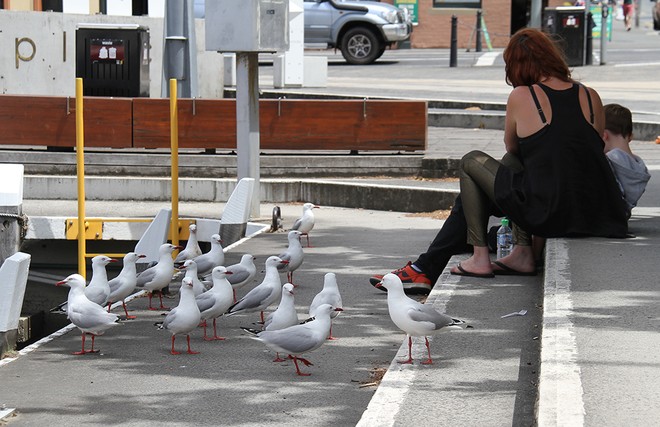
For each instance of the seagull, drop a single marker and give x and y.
(242, 273)
(157, 277)
(183, 318)
(305, 223)
(265, 293)
(216, 301)
(88, 316)
(300, 338)
(124, 284)
(98, 291)
(328, 295)
(414, 318)
(191, 250)
(191, 271)
(284, 316)
(211, 259)
(293, 255)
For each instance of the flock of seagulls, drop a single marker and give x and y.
(208, 291)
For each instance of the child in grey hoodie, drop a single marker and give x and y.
(629, 169)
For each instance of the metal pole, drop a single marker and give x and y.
(603, 34)
(80, 166)
(454, 42)
(589, 60)
(478, 45)
(247, 122)
(174, 141)
(638, 10)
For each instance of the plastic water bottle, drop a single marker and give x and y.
(504, 239)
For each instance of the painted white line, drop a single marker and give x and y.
(390, 395)
(560, 386)
(487, 59)
(639, 64)
(6, 412)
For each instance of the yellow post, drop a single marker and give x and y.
(174, 139)
(80, 161)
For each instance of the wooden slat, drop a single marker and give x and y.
(35, 120)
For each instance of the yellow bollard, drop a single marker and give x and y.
(174, 139)
(80, 161)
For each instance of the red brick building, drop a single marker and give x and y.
(501, 18)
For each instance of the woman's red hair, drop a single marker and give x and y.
(530, 56)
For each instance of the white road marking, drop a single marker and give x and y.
(487, 59)
(560, 390)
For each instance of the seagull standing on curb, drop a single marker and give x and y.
(293, 256)
(305, 223)
(284, 316)
(264, 294)
(298, 339)
(328, 295)
(414, 318)
(216, 301)
(157, 277)
(98, 290)
(211, 259)
(124, 284)
(191, 250)
(184, 318)
(88, 316)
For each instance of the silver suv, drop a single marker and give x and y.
(361, 30)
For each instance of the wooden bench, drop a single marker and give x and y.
(385, 125)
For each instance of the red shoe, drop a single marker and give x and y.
(413, 281)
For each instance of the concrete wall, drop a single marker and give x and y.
(52, 68)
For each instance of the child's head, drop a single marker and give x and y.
(618, 120)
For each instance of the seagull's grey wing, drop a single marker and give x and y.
(114, 284)
(205, 301)
(296, 225)
(295, 339)
(89, 316)
(254, 298)
(238, 275)
(426, 313)
(145, 277)
(284, 256)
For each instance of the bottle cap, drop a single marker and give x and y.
(505, 221)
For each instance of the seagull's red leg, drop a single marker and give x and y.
(410, 359)
(278, 358)
(189, 350)
(151, 295)
(109, 305)
(295, 361)
(92, 350)
(262, 318)
(206, 337)
(126, 311)
(81, 352)
(215, 334)
(162, 307)
(428, 348)
(173, 351)
(234, 291)
(330, 337)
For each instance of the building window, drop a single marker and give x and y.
(455, 4)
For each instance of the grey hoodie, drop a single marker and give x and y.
(631, 173)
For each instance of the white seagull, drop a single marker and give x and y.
(298, 339)
(190, 266)
(305, 223)
(98, 290)
(157, 277)
(88, 316)
(191, 250)
(284, 316)
(216, 301)
(124, 284)
(414, 318)
(242, 273)
(293, 255)
(264, 294)
(184, 318)
(208, 261)
(328, 295)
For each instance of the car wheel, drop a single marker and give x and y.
(360, 46)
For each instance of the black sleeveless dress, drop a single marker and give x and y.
(567, 187)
